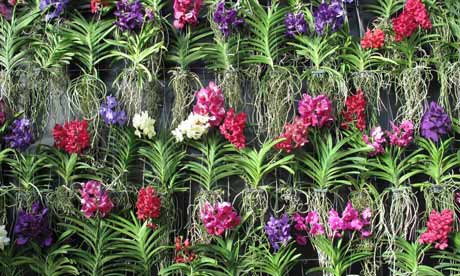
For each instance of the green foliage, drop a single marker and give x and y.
(29, 170)
(394, 167)
(409, 258)
(52, 50)
(330, 163)
(187, 47)
(279, 263)
(70, 168)
(385, 8)
(319, 50)
(121, 156)
(138, 245)
(266, 44)
(96, 254)
(52, 262)
(223, 54)
(89, 41)
(437, 163)
(227, 253)
(214, 162)
(341, 256)
(202, 266)
(449, 261)
(254, 165)
(360, 60)
(163, 159)
(138, 50)
(13, 40)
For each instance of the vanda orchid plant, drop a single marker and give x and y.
(86, 92)
(139, 44)
(277, 83)
(223, 54)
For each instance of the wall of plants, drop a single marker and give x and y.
(219, 137)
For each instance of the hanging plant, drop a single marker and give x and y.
(367, 74)
(185, 49)
(436, 162)
(254, 166)
(52, 53)
(213, 164)
(277, 84)
(223, 54)
(14, 56)
(86, 92)
(140, 46)
(327, 168)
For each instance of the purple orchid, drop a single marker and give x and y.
(295, 24)
(131, 14)
(33, 226)
(329, 15)
(111, 113)
(435, 122)
(226, 19)
(56, 8)
(21, 134)
(278, 231)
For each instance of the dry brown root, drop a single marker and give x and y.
(184, 84)
(370, 83)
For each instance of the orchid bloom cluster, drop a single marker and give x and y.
(295, 135)
(310, 224)
(148, 205)
(94, 200)
(226, 19)
(315, 112)
(351, 220)
(6, 9)
(56, 8)
(400, 136)
(374, 39)
(208, 111)
(182, 251)
(186, 12)
(355, 111)
(439, 226)
(193, 127)
(210, 102)
(376, 139)
(295, 24)
(233, 128)
(4, 240)
(278, 231)
(219, 217)
(96, 5)
(131, 14)
(329, 15)
(72, 137)
(144, 125)
(111, 112)
(33, 226)
(413, 16)
(20, 136)
(435, 122)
